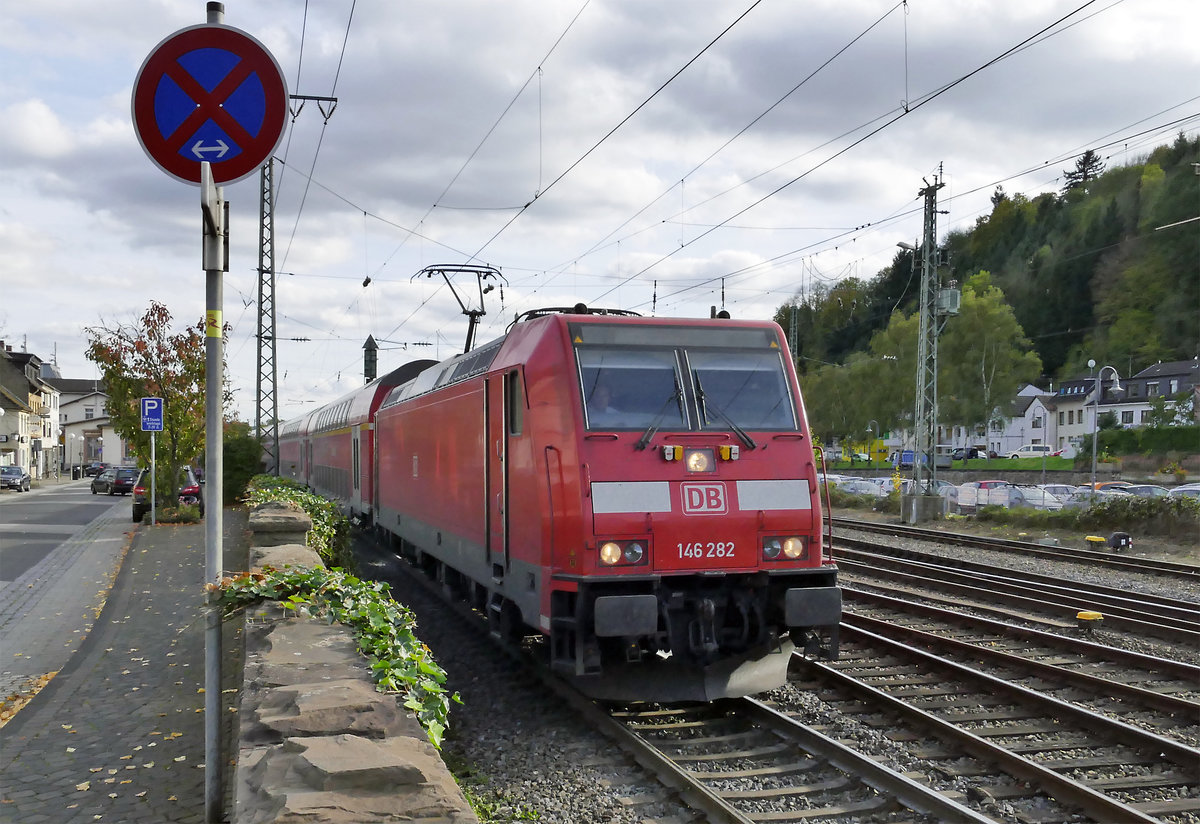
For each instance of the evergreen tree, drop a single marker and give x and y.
(1088, 167)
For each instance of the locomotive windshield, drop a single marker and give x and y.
(748, 389)
(630, 388)
(735, 379)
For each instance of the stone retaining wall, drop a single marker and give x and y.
(318, 743)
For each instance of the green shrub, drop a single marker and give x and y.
(889, 503)
(241, 458)
(182, 514)
(1128, 513)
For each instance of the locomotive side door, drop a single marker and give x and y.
(496, 405)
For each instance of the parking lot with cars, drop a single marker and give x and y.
(968, 497)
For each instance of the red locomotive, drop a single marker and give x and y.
(641, 492)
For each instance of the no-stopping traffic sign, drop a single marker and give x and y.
(214, 93)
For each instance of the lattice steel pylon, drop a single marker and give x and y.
(266, 407)
(926, 409)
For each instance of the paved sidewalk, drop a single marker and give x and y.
(47, 612)
(118, 734)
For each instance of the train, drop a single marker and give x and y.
(637, 494)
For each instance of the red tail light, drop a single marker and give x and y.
(191, 489)
(139, 490)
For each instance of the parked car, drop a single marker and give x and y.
(1059, 491)
(1147, 490)
(14, 477)
(1084, 497)
(94, 468)
(1186, 491)
(1035, 450)
(969, 453)
(116, 480)
(1035, 497)
(860, 486)
(190, 492)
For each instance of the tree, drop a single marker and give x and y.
(983, 356)
(1088, 167)
(242, 459)
(144, 359)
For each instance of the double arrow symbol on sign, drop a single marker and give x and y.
(199, 150)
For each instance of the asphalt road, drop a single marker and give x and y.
(33, 524)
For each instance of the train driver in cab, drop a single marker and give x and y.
(600, 408)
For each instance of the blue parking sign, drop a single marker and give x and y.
(152, 415)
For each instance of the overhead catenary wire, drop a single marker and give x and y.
(730, 223)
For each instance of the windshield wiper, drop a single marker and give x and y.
(741, 433)
(644, 441)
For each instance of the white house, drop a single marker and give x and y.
(28, 414)
(83, 417)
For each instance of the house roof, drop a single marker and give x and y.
(1189, 368)
(76, 386)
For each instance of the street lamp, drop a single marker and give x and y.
(870, 443)
(1096, 413)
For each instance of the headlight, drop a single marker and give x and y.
(795, 548)
(699, 460)
(610, 553)
(791, 547)
(625, 553)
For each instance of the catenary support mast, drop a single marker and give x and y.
(926, 410)
(266, 408)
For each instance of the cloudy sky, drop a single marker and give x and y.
(664, 156)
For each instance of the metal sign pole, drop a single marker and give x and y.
(214, 209)
(153, 470)
(252, 127)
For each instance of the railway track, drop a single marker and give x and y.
(1120, 679)
(1029, 742)
(736, 761)
(1041, 757)
(1020, 594)
(748, 762)
(1078, 556)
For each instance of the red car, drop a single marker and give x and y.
(190, 492)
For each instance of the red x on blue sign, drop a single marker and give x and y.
(212, 93)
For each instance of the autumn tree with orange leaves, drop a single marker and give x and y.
(145, 360)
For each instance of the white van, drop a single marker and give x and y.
(1033, 450)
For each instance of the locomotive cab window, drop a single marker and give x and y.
(742, 388)
(630, 389)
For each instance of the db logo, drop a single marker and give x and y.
(704, 499)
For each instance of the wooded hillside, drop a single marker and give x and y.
(1108, 268)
